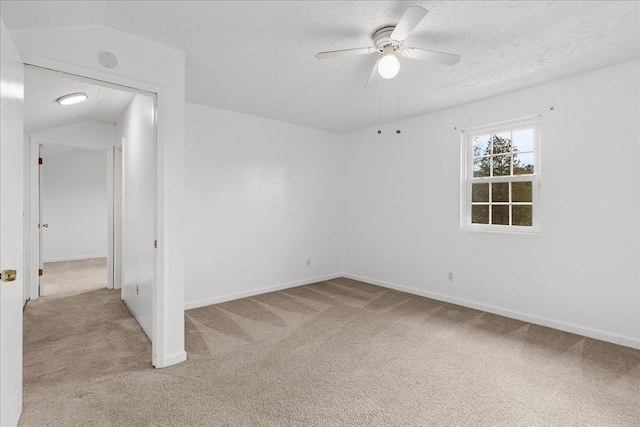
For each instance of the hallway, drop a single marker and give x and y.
(71, 343)
(70, 277)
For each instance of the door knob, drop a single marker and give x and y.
(8, 275)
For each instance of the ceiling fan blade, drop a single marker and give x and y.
(430, 55)
(411, 18)
(374, 77)
(346, 52)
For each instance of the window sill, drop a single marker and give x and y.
(505, 229)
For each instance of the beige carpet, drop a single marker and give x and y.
(337, 353)
(68, 277)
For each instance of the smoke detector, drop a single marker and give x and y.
(107, 59)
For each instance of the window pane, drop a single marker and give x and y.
(500, 170)
(501, 165)
(523, 215)
(500, 192)
(523, 140)
(480, 214)
(500, 214)
(481, 166)
(479, 192)
(521, 191)
(523, 164)
(502, 143)
(481, 145)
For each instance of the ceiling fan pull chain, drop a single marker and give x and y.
(398, 128)
(379, 130)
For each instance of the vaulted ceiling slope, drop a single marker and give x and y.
(41, 111)
(257, 57)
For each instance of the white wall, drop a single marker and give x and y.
(262, 198)
(74, 204)
(92, 242)
(88, 132)
(136, 130)
(157, 68)
(579, 274)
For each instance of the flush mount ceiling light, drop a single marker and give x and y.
(72, 98)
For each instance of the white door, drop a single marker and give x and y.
(11, 230)
(139, 210)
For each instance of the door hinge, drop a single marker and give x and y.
(155, 244)
(39, 272)
(39, 160)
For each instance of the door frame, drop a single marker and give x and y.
(34, 241)
(159, 306)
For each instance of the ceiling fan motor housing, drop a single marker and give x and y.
(381, 38)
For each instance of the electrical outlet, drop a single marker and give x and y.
(450, 277)
(308, 263)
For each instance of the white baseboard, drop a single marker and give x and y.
(74, 258)
(529, 318)
(258, 291)
(171, 359)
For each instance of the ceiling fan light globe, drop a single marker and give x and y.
(388, 66)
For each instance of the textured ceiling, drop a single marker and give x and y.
(41, 111)
(258, 57)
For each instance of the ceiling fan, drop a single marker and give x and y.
(388, 41)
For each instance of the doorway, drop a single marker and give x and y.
(117, 124)
(148, 66)
(73, 218)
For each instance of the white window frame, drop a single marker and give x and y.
(467, 178)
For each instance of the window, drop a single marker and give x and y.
(501, 171)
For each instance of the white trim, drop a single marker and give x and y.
(163, 91)
(159, 299)
(525, 317)
(53, 70)
(110, 219)
(26, 231)
(259, 291)
(75, 258)
(171, 359)
(117, 217)
(33, 219)
(90, 75)
(76, 143)
(467, 178)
